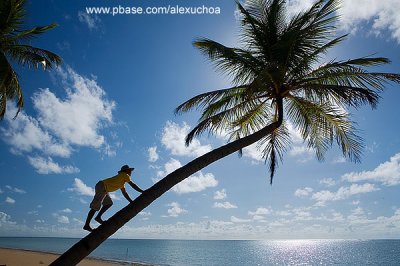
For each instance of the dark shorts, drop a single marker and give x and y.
(101, 197)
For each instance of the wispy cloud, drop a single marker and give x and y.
(234, 219)
(10, 200)
(60, 124)
(382, 14)
(224, 205)
(355, 14)
(25, 134)
(260, 213)
(77, 119)
(169, 167)
(297, 149)
(152, 153)
(62, 219)
(329, 182)
(48, 166)
(175, 209)
(194, 183)
(173, 139)
(220, 194)
(303, 192)
(387, 173)
(14, 189)
(81, 188)
(92, 21)
(342, 193)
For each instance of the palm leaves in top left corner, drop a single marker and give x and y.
(15, 48)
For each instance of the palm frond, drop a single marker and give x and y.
(303, 67)
(275, 145)
(307, 33)
(32, 57)
(13, 50)
(227, 119)
(12, 13)
(237, 63)
(26, 35)
(322, 123)
(341, 95)
(202, 100)
(347, 81)
(9, 87)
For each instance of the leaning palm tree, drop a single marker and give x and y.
(14, 48)
(277, 79)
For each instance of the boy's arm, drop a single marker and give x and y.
(135, 187)
(126, 195)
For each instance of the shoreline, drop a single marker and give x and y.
(20, 257)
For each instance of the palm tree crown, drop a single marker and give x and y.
(278, 67)
(13, 47)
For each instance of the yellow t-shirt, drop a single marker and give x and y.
(116, 182)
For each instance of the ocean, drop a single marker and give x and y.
(228, 252)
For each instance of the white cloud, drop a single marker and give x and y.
(196, 183)
(175, 209)
(342, 193)
(260, 211)
(303, 192)
(62, 219)
(387, 173)
(169, 167)
(5, 219)
(48, 166)
(224, 205)
(78, 118)
(67, 210)
(304, 153)
(253, 152)
(10, 200)
(144, 213)
(14, 189)
(239, 220)
(355, 14)
(329, 182)
(81, 188)
(302, 214)
(382, 14)
(61, 124)
(220, 194)
(153, 155)
(339, 160)
(296, 6)
(259, 214)
(173, 139)
(92, 20)
(25, 134)
(298, 148)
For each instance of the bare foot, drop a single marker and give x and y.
(99, 220)
(88, 228)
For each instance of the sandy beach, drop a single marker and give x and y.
(14, 257)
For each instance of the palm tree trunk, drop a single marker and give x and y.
(86, 245)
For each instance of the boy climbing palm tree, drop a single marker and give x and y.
(102, 198)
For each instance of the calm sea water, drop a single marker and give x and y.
(227, 252)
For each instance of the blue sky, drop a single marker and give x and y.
(111, 103)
